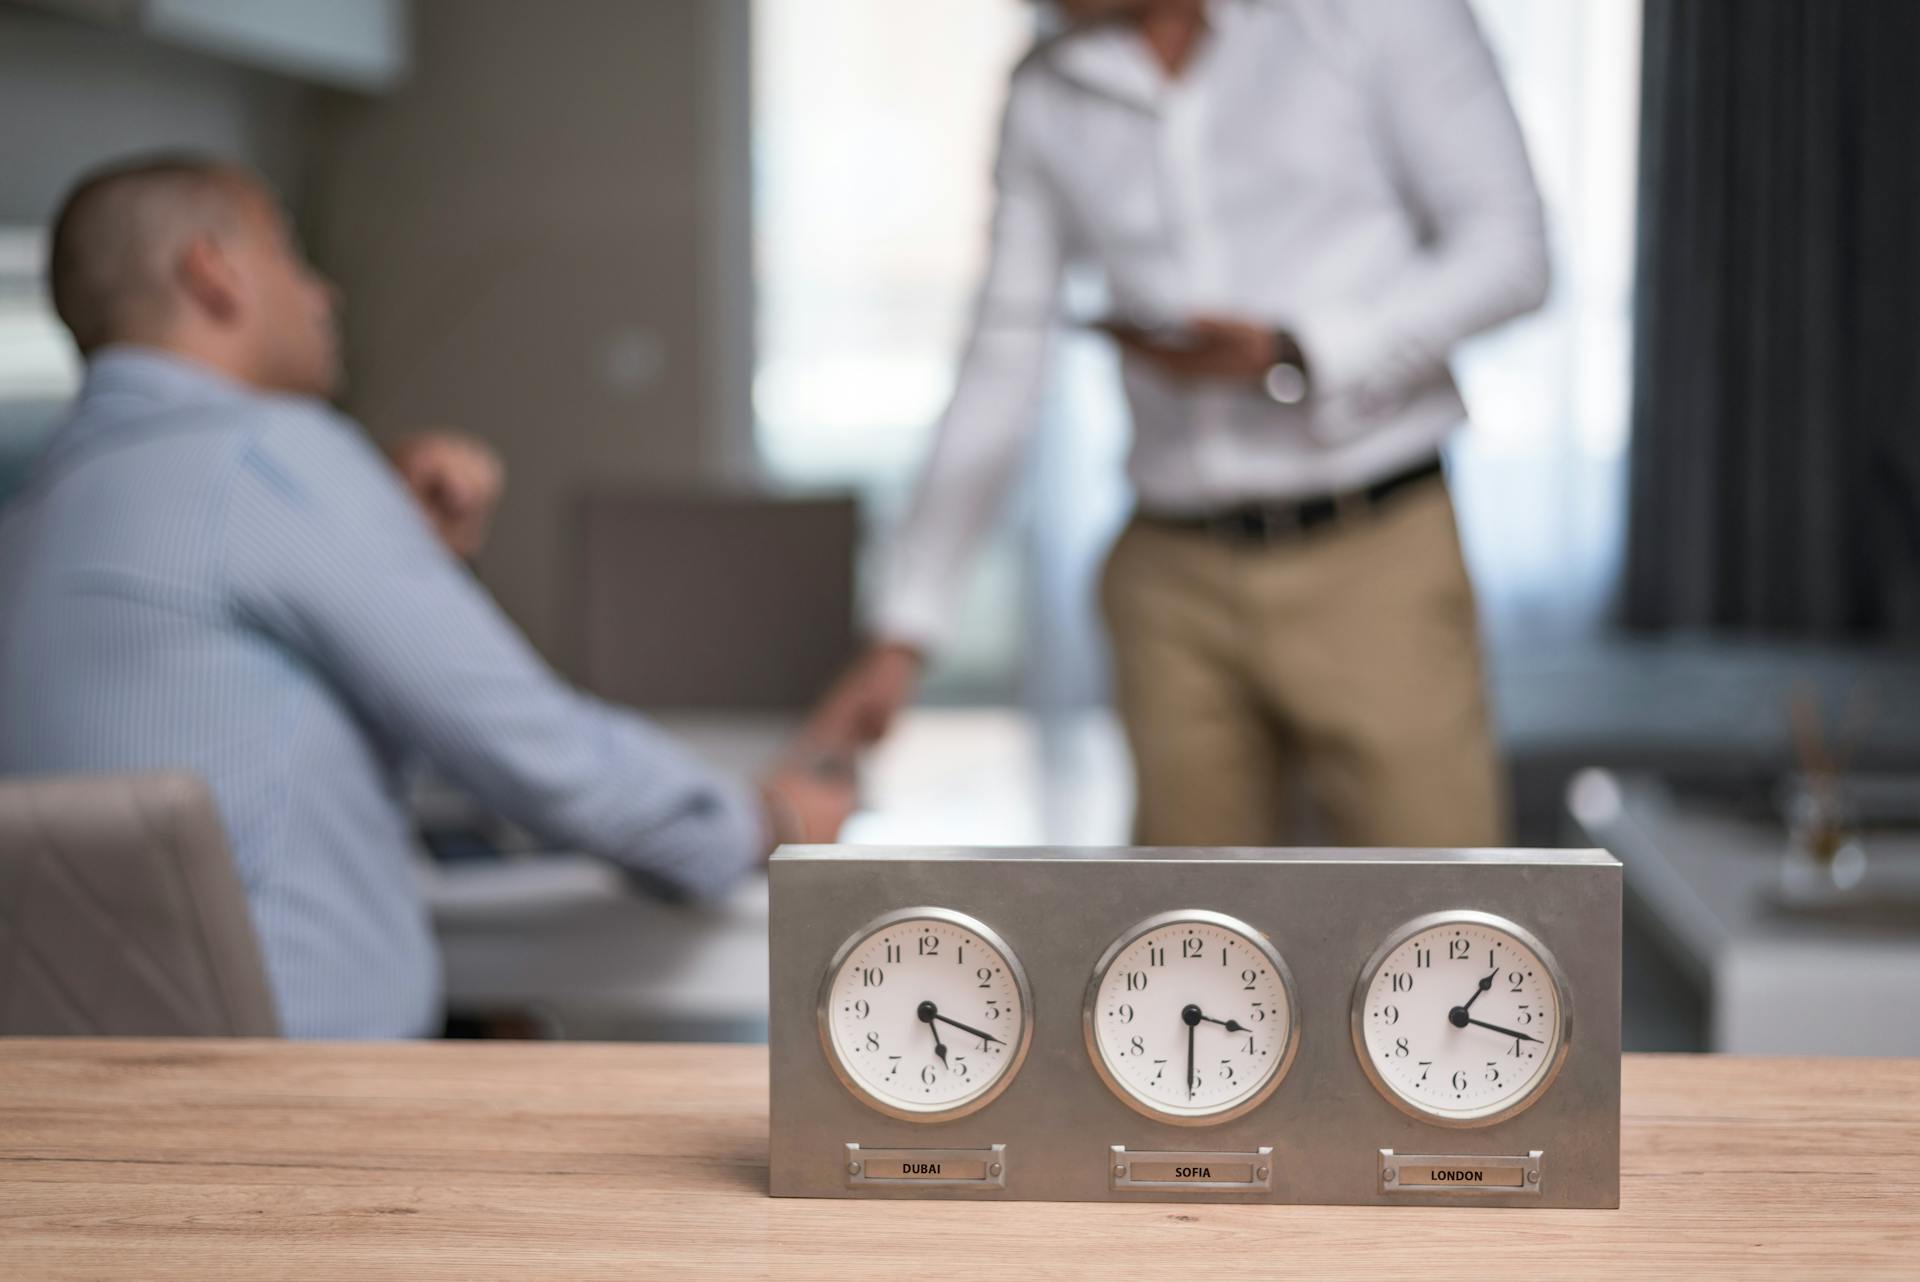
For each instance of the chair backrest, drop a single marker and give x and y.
(121, 914)
(713, 600)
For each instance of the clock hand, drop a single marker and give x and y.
(928, 1012)
(1458, 1015)
(967, 1028)
(1190, 1015)
(1231, 1025)
(1481, 1023)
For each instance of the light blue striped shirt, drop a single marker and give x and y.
(198, 575)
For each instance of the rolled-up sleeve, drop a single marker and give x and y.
(1457, 148)
(330, 556)
(979, 442)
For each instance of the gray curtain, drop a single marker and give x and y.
(1775, 481)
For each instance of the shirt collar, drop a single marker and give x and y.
(153, 372)
(1110, 57)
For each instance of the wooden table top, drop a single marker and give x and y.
(252, 1160)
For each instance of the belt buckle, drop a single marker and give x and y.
(1349, 504)
(1277, 523)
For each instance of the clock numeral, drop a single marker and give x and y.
(1136, 981)
(872, 977)
(1400, 1048)
(1226, 1070)
(1460, 1081)
(1156, 956)
(1515, 978)
(1192, 948)
(1515, 1052)
(993, 1010)
(861, 1009)
(1259, 1012)
(1422, 958)
(1197, 1081)
(1493, 1072)
(1459, 950)
(929, 946)
(873, 1041)
(960, 1065)
(1125, 1012)
(1159, 1069)
(1246, 979)
(1490, 961)
(1249, 1045)
(985, 976)
(1400, 981)
(1390, 1013)
(1526, 1014)
(959, 954)
(928, 1074)
(1139, 1047)
(893, 953)
(896, 1065)
(1426, 1066)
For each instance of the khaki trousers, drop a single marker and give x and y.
(1346, 660)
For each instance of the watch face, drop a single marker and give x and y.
(925, 1014)
(1190, 1017)
(1461, 1018)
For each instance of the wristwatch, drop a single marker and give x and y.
(1286, 381)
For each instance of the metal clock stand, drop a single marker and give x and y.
(1359, 1027)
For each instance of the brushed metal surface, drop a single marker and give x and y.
(1325, 911)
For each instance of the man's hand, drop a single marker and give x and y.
(1232, 350)
(856, 712)
(806, 803)
(457, 480)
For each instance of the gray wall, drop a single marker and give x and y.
(541, 238)
(73, 95)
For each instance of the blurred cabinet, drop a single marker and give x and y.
(350, 44)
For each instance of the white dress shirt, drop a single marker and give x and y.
(1349, 170)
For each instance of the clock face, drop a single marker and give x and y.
(1460, 1018)
(1191, 1017)
(925, 1014)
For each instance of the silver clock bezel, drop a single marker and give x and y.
(852, 1082)
(1485, 1117)
(1253, 935)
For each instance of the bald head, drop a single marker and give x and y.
(118, 242)
(194, 255)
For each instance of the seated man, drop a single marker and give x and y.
(210, 569)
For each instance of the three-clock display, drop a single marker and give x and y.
(1460, 1018)
(1190, 1017)
(925, 1014)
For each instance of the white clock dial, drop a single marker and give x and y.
(1191, 1018)
(1461, 1018)
(925, 1014)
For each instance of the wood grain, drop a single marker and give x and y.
(253, 1160)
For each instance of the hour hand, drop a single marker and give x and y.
(1231, 1025)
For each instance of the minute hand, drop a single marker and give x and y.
(1481, 1023)
(967, 1028)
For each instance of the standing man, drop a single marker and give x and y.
(1300, 207)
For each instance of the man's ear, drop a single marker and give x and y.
(209, 278)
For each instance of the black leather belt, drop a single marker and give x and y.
(1272, 522)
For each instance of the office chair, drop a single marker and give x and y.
(121, 914)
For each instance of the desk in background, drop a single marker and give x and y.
(219, 1160)
(565, 938)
